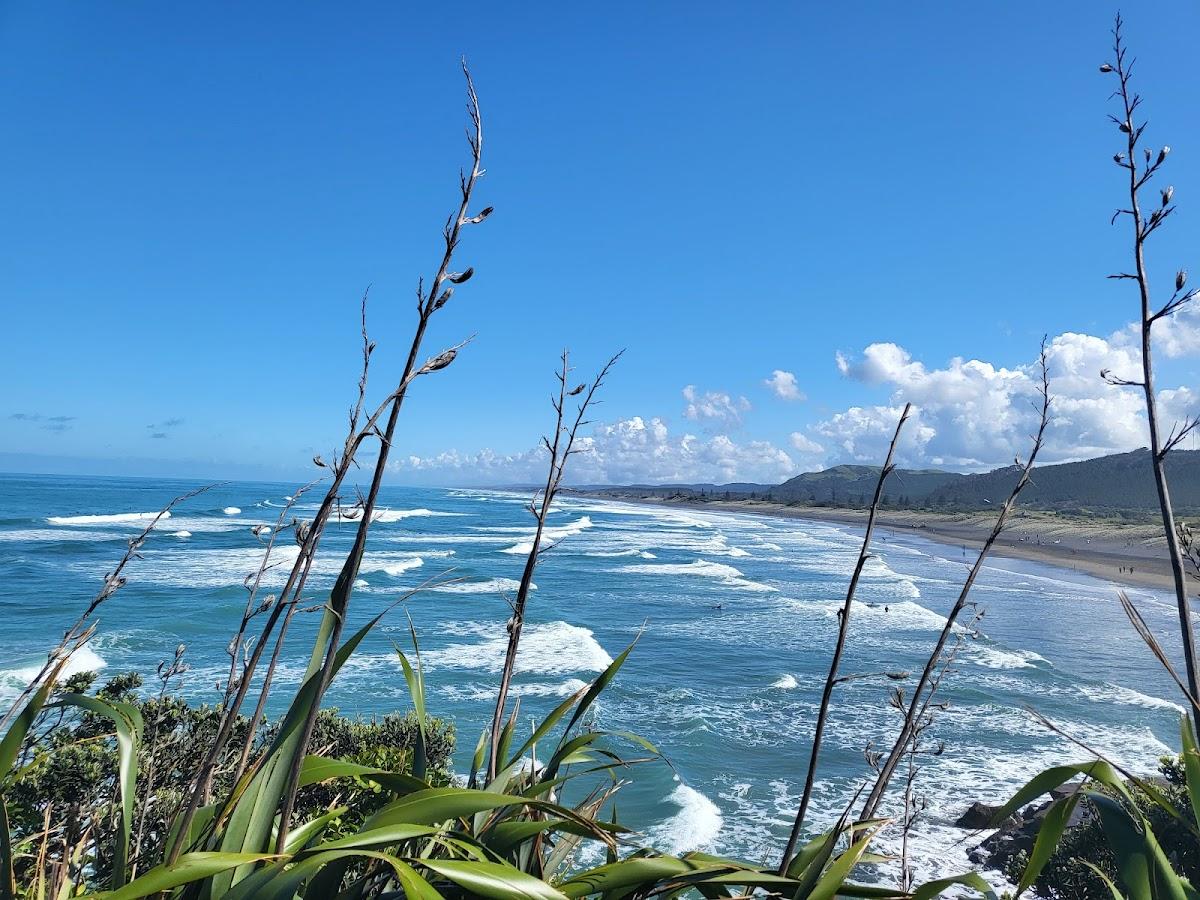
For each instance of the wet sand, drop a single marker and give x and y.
(1132, 554)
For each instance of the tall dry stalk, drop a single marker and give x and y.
(429, 301)
(843, 630)
(560, 449)
(912, 717)
(1142, 228)
(308, 535)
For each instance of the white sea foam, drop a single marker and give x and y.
(488, 586)
(210, 524)
(13, 681)
(1114, 693)
(901, 614)
(644, 554)
(388, 515)
(57, 534)
(232, 511)
(487, 692)
(448, 538)
(550, 535)
(786, 683)
(214, 568)
(139, 518)
(182, 533)
(725, 575)
(555, 648)
(992, 657)
(695, 827)
(393, 568)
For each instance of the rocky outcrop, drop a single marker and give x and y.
(977, 817)
(1018, 833)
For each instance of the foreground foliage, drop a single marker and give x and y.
(63, 799)
(1083, 863)
(371, 827)
(1142, 841)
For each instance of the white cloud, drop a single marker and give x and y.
(810, 451)
(1178, 335)
(972, 414)
(783, 385)
(633, 450)
(968, 414)
(714, 408)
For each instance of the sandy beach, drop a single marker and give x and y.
(1133, 554)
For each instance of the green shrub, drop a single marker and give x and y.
(68, 778)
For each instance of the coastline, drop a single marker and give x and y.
(1129, 554)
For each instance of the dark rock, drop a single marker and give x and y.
(1015, 836)
(978, 816)
(1018, 834)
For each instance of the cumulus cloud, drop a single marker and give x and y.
(633, 450)
(714, 408)
(968, 414)
(972, 414)
(1178, 335)
(783, 385)
(809, 452)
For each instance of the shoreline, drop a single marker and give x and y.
(1130, 554)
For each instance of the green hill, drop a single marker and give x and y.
(1108, 484)
(855, 485)
(1119, 485)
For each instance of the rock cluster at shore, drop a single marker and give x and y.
(1016, 834)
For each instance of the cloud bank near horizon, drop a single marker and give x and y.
(969, 415)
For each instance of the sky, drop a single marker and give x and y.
(793, 218)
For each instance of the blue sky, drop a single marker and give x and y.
(197, 196)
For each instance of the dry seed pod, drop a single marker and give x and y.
(438, 362)
(460, 277)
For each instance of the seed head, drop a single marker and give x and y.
(438, 362)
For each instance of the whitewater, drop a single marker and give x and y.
(734, 617)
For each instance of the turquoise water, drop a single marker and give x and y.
(737, 615)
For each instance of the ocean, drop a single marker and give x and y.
(736, 615)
